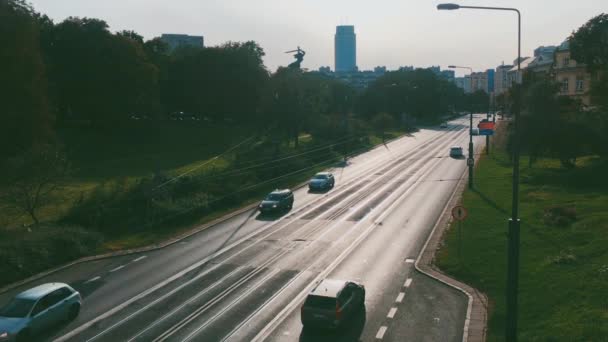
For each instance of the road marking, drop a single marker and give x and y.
(408, 282)
(140, 258)
(392, 313)
(92, 280)
(381, 332)
(400, 297)
(410, 261)
(117, 268)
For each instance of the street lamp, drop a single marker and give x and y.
(514, 222)
(471, 160)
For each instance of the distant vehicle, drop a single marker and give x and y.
(321, 181)
(456, 151)
(444, 125)
(474, 131)
(277, 200)
(37, 309)
(331, 303)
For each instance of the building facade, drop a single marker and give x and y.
(501, 81)
(345, 49)
(176, 40)
(573, 78)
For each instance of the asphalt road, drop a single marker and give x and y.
(245, 279)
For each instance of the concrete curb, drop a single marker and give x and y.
(475, 324)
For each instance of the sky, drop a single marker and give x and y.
(390, 33)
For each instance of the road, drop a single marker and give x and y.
(245, 278)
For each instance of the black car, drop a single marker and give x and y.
(332, 303)
(277, 200)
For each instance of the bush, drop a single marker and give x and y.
(559, 216)
(46, 247)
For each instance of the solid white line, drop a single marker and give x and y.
(392, 313)
(400, 297)
(408, 282)
(117, 268)
(92, 280)
(140, 258)
(381, 332)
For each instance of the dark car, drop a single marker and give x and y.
(332, 303)
(321, 181)
(277, 200)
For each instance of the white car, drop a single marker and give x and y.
(456, 151)
(474, 131)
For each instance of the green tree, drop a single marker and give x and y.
(381, 122)
(25, 115)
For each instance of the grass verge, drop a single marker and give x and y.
(563, 289)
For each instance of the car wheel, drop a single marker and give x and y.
(24, 336)
(73, 312)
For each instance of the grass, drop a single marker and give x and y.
(563, 288)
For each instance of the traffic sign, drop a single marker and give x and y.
(486, 132)
(470, 161)
(459, 213)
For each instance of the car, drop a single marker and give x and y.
(456, 151)
(474, 131)
(321, 181)
(277, 200)
(444, 125)
(33, 311)
(331, 303)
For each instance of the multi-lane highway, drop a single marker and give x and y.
(245, 279)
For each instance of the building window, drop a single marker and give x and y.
(564, 88)
(580, 84)
(566, 61)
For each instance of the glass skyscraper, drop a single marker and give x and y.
(345, 48)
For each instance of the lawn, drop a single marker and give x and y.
(563, 289)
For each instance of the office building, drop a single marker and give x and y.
(176, 40)
(345, 49)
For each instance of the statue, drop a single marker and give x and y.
(299, 56)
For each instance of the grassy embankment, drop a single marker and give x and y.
(116, 198)
(563, 289)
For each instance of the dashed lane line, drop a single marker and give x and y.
(392, 312)
(140, 258)
(408, 282)
(92, 280)
(400, 297)
(117, 268)
(381, 332)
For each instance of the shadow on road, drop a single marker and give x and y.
(350, 332)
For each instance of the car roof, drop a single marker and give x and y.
(40, 290)
(281, 191)
(329, 288)
(453, 147)
(323, 174)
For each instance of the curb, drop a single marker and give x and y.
(475, 324)
(162, 244)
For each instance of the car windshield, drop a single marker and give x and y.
(320, 302)
(274, 197)
(320, 177)
(18, 307)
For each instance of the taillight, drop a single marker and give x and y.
(338, 311)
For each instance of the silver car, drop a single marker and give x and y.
(38, 309)
(321, 181)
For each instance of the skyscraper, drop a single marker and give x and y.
(345, 48)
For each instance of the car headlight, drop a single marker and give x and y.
(274, 205)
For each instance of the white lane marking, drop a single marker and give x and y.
(92, 280)
(408, 282)
(117, 268)
(409, 261)
(391, 313)
(140, 258)
(381, 332)
(400, 297)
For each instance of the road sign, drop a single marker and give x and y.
(486, 132)
(486, 125)
(459, 213)
(470, 161)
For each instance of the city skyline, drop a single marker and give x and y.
(395, 34)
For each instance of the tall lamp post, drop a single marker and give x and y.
(471, 160)
(514, 222)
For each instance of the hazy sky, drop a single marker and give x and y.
(389, 32)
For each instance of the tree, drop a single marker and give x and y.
(381, 122)
(25, 116)
(589, 44)
(32, 177)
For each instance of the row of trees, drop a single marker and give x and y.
(559, 126)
